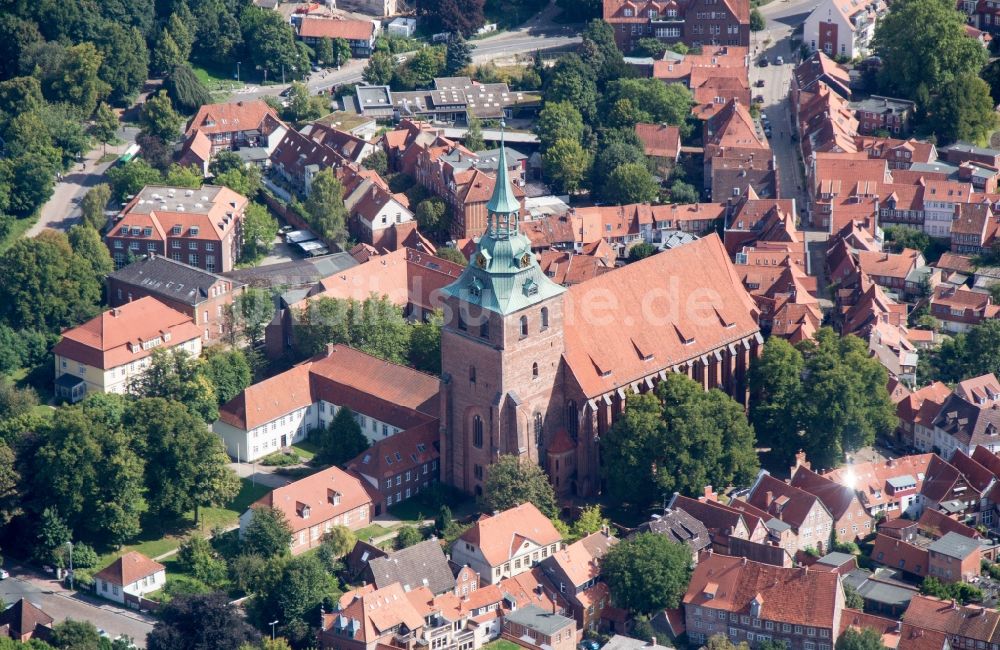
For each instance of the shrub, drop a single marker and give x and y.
(280, 459)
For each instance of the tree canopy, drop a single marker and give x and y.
(511, 482)
(647, 573)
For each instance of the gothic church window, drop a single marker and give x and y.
(477, 432)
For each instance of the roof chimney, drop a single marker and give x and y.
(768, 498)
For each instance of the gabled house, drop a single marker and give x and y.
(695, 23)
(129, 578)
(422, 565)
(969, 418)
(842, 28)
(576, 571)
(359, 34)
(804, 512)
(312, 506)
(24, 621)
(368, 618)
(247, 127)
(507, 543)
(851, 521)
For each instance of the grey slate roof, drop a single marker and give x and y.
(954, 545)
(164, 277)
(538, 620)
(295, 274)
(835, 559)
(679, 526)
(420, 565)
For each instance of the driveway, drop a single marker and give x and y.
(260, 474)
(62, 604)
(62, 210)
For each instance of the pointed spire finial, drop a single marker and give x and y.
(503, 203)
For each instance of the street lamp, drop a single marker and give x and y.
(70, 545)
(238, 70)
(272, 624)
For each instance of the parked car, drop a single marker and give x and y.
(763, 62)
(759, 99)
(3, 574)
(779, 60)
(759, 83)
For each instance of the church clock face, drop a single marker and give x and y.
(525, 260)
(481, 261)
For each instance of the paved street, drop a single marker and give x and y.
(62, 210)
(61, 604)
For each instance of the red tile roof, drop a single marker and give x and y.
(794, 596)
(969, 621)
(117, 336)
(129, 568)
(603, 352)
(352, 30)
(659, 140)
(310, 501)
(249, 115)
(407, 450)
(783, 501)
(500, 536)
(897, 554)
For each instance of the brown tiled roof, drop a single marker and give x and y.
(499, 536)
(377, 613)
(24, 618)
(937, 524)
(978, 476)
(913, 637)
(401, 396)
(550, 230)
(783, 501)
(580, 561)
(794, 596)
(659, 140)
(316, 493)
(407, 450)
(602, 353)
(898, 554)
(352, 30)
(247, 115)
(837, 498)
(970, 621)
(215, 215)
(870, 479)
(889, 265)
(955, 262)
(931, 395)
(129, 568)
(116, 337)
(853, 619)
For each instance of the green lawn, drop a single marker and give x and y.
(218, 80)
(17, 229)
(412, 511)
(501, 644)
(306, 450)
(153, 543)
(375, 530)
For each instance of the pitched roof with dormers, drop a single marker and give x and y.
(317, 498)
(244, 115)
(126, 334)
(795, 596)
(783, 501)
(499, 537)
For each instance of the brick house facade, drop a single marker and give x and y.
(692, 22)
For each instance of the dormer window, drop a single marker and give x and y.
(303, 510)
(530, 288)
(194, 231)
(333, 496)
(176, 230)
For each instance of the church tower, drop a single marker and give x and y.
(501, 350)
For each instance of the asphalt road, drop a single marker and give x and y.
(62, 210)
(61, 604)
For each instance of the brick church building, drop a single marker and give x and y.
(533, 369)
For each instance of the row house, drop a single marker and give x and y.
(297, 159)
(695, 23)
(111, 351)
(203, 296)
(809, 519)
(681, 528)
(916, 413)
(352, 147)
(969, 418)
(375, 214)
(723, 523)
(975, 230)
(402, 465)
(576, 571)
(201, 228)
(715, 75)
(737, 155)
(312, 506)
(891, 270)
(251, 128)
(843, 28)
(903, 486)
(366, 618)
(941, 200)
(959, 309)
(284, 409)
(754, 603)
(851, 522)
(751, 219)
(359, 34)
(885, 114)
(966, 627)
(507, 543)
(950, 558)
(622, 226)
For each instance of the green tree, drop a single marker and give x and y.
(406, 537)
(681, 192)
(228, 370)
(866, 639)
(452, 255)
(76, 635)
(571, 80)
(591, 520)
(969, 354)
(300, 105)
(647, 572)
(259, 232)
(462, 16)
(651, 47)
(669, 103)
(336, 544)
(185, 89)
(559, 121)
(474, 135)
(776, 387)
(53, 533)
(425, 344)
(271, 45)
(325, 206)
(566, 164)
(183, 176)
(18, 96)
(579, 10)
(31, 179)
(224, 162)
(613, 154)
(159, 118)
(166, 55)
(431, 215)
(77, 81)
(105, 126)
(245, 180)
(268, 533)
(625, 114)
(852, 598)
(46, 285)
(680, 439)
(341, 440)
(303, 586)
(10, 485)
(458, 56)
(125, 60)
(200, 621)
(174, 375)
(197, 557)
(380, 68)
(86, 244)
(130, 178)
(757, 22)
(341, 52)
(17, 35)
(377, 161)
(375, 326)
(509, 483)
(631, 183)
(641, 251)
(251, 311)
(324, 51)
(963, 110)
(916, 32)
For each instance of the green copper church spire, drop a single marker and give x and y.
(503, 207)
